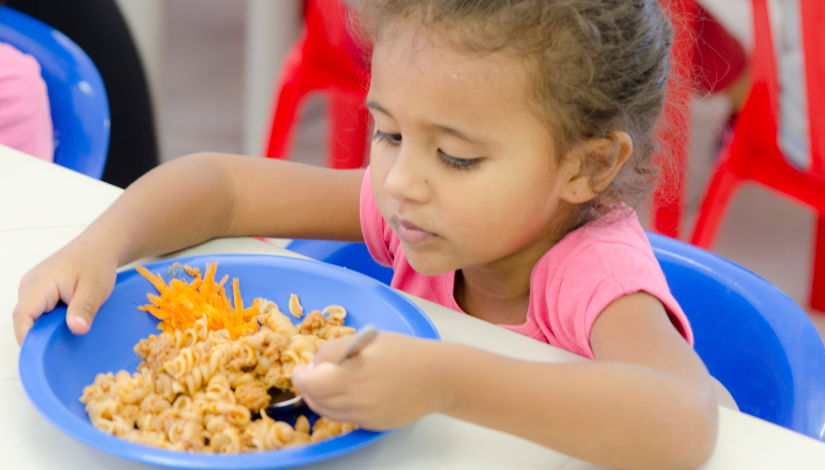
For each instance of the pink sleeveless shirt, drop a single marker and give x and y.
(569, 286)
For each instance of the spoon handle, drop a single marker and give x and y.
(362, 339)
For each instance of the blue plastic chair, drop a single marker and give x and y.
(752, 337)
(353, 256)
(79, 107)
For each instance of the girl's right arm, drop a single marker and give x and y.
(183, 203)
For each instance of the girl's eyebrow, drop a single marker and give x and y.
(377, 107)
(458, 134)
(440, 128)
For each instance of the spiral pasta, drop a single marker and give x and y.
(200, 390)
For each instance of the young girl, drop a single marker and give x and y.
(511, 137)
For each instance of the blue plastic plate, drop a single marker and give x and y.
(55, 365)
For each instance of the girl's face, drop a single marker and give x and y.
(461, 168)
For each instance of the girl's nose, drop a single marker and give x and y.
(406, 180)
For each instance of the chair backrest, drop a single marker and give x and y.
(354, 256)
(328, 38)
(77, 97)
(751, 336)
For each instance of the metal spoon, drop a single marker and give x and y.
(285, 400)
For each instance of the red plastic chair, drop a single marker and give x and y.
(705, 59)
(668, 197)
(325, 59)
(753, 153)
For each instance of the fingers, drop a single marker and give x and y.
(84, 302)
(32, 302)
(84, 299)
(22, 324)
(324, 389)
(332, 349)
(322, 408)
(319, 381)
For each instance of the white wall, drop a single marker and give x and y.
(271, 28)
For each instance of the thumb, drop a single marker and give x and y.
(87, 298)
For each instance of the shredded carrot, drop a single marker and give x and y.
(180, 303)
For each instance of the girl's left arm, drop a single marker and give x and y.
(646, 402)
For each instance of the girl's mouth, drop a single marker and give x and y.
(410, 233)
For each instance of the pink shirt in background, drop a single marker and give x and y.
(25, 116)
(569, 286)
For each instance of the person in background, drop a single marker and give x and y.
(98, 27)
(25, 116)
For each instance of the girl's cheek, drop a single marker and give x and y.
(377, 178)
(377, 174)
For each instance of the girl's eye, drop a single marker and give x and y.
(392, 139)
(459, 163)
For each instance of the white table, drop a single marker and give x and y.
(43, 206)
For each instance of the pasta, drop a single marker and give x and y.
(203, 385)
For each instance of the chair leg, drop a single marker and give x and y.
(818, 283)
(284, 122)
(670, 195)
(714, 205)
(668, 213)
(348, 131)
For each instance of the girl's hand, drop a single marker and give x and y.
(80, 274)
(392, 382)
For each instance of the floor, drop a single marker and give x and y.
(202, 99)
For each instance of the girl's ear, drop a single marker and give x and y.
(594, 166)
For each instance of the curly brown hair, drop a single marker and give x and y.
(598, 66)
